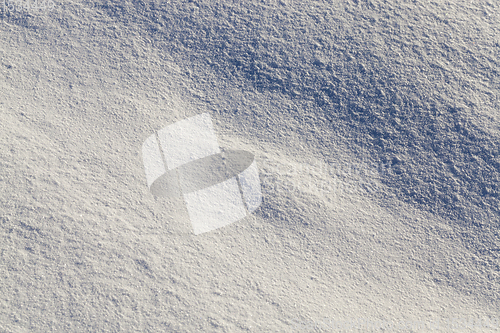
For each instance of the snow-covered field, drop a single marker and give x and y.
(375, 126)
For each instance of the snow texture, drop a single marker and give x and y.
(375, 129)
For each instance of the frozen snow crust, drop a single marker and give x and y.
(374, 125)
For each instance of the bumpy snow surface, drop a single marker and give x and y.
(374, 125)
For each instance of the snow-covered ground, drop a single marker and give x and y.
(375, 126)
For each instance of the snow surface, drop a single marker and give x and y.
(374, 124)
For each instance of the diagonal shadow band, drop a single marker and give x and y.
(202, 173)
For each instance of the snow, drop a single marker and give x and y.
(374, 126)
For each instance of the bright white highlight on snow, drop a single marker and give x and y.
(218, 189)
